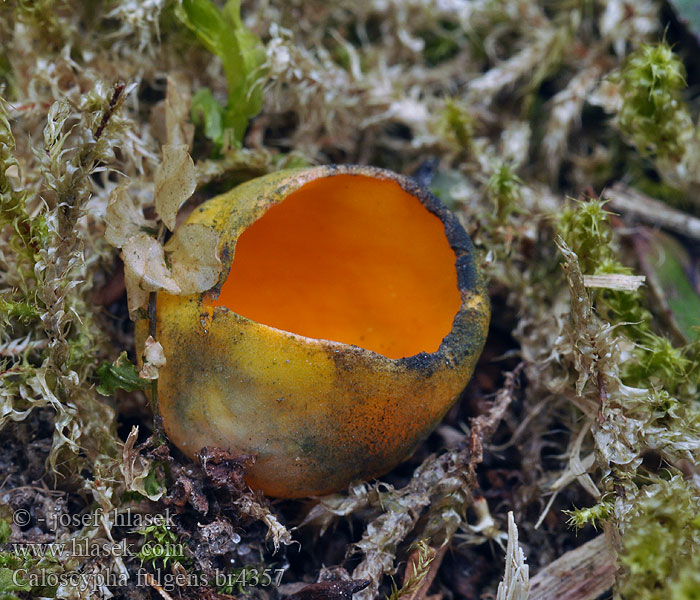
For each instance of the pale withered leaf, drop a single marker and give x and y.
(177, 110)
(136, 469)
(123, 219)
(136, 297)
(359, 496)
(251, 506)
(175, 181)
(153, 359)
(145, 270)
(192, 253)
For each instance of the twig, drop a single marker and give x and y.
(652, 211)
(118, 90)
(150, 580)
(331, 590)
(152, 327)
(484, 426)
(581, 574)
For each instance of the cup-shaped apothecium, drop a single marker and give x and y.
(347, 319)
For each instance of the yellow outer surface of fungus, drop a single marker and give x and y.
(317, 413)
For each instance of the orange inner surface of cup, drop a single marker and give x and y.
(352, 259)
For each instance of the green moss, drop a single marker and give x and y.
(5, 530)
(659, 362)
(441, 43)
(457, 124)
(686, 584)
(30, 232)
(660, 543)
(591, 515)
(585, 228)
(424, 556)
(9, 584)
(162, 545)
(42, 15)
(19, 567)
(653, 115)
(503, 190)
(659, 521)
(23, 312)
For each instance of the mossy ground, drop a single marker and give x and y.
(508, 109)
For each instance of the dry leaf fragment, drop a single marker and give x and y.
(145, 270)
(136, 468)
(251, 506)
(614, 281)
(192, 253)
(123, 219)
(144, 256)
(175, 182)
(153, 359)
(136, 297)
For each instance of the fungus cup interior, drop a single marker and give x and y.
(352, 259)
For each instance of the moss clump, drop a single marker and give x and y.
(646, 403)
(457, 124)
(652, 113)
(591, 515)
(660, 543)
(584, 226)
(503, 189)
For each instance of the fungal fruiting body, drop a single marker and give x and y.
(347, 320)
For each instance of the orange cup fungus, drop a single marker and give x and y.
(347, 319)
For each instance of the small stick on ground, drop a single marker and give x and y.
(484, 426)
(652, 211)
(581, 574)
(150, 580)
